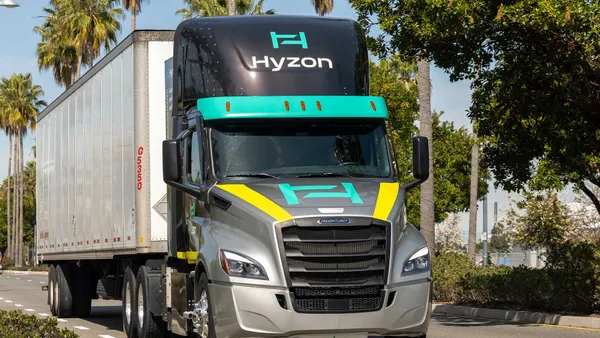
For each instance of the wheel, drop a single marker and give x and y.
(148, 325)
(82, 305)
(52, 291)
(63, 291)
(203, 322)
(128, 301)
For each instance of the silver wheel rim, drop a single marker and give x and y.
(140, 307)
(201, 319)
(128, 303)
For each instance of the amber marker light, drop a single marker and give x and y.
(228, 106)
(373, 106)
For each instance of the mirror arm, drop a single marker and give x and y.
(411, 185)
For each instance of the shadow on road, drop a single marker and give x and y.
(474, 322)
(106, 316)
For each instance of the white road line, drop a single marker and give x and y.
(18, 278)
(29, 280)
(18, 305)
(1, 298)
(41, 282)
(81, 328)
(61, 320)
(44, 315)
(8, 301)
(106, 336)
(30, 310)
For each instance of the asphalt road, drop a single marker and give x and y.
(24, 292)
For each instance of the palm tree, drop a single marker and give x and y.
(135, 7)
(209, 8)
(322, 7)
(22, 98)
(7, 126)
(74, 33)
(58, 49)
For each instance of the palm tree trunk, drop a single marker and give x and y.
(132, 21)
(231, 7)
(472, 251)
(78, 68)
(8, 228)
(14, 220)
(427, 202)
(21, 193)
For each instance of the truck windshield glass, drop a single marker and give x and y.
(295, 148)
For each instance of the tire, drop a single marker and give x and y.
(52, 290)
(128, 303)
(82, 305)
(148, 325)
(64, 296)
(200, 290)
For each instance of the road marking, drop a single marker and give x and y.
(61, 320)
(41, 282)
(18, 305)
(30, 310)
(8, 301)
(1, 298)
(44, 315)
(106, 336)
(18, 278)
(29, 280)
(81, 328)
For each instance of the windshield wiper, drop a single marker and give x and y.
(329, 174)
(262, 175)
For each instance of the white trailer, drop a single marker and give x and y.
(100, 187)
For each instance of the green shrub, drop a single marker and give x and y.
(570, 282)
(448, 270)
(15, 324)
(7, 262)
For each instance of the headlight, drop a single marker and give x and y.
(417, 263)
(236, 265)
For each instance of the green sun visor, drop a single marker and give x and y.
(281, 107)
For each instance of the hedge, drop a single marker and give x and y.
(15, 324)
(570, 282)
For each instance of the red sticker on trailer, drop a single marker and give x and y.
(139, 168)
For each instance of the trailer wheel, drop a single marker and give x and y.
(63, 293)
(52, 289)
(148, 325)
(203, 323)
(82, 304)
(128, 301)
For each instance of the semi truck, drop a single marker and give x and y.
(232, 178)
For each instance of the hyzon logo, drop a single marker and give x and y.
(289, 192)
(278, 63)
(301, 41)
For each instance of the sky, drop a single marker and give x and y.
(17, 54)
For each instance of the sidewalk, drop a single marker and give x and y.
(518, 316)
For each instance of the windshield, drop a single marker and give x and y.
(297, 148)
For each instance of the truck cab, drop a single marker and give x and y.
(285, 216)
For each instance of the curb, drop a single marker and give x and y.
(518, 316)
(15, 272)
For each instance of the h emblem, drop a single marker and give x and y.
(289, 39)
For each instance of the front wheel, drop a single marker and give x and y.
(202, 321)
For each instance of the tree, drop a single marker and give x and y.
(74, 34)
(21, 98)
(395, 81)
(209, 8)
(501, 240)
(7, 125)
(448, 235)
(135, 7)
(539, 104)
(322, 7)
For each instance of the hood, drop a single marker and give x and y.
(284, 199)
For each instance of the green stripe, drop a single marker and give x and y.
(252, 107)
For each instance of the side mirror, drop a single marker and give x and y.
(172, 161)
(420, 158)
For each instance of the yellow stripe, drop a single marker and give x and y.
(257, 200)
(385, 200)
(190, 256)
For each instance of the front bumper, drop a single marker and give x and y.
(253, 311)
